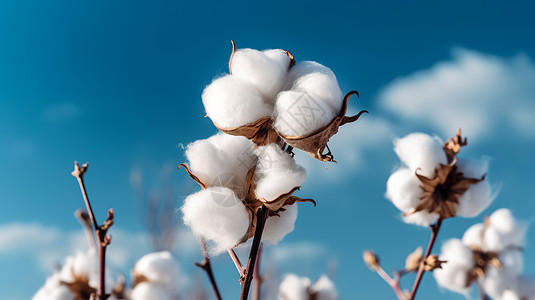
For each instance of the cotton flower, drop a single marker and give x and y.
(268, 98)
(294, 287)
(434, 183)
(77, 279)
(236, 180)
(488, 253)
(156, 276)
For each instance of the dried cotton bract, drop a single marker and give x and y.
(268, 98)
(489, 253)
(434, 183)
(237, 180)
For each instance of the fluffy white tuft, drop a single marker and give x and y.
(497, 281)
(403, 189)
(454, 273)
(523, 288)
(324, 289)
(160, 268)
(276, 172)
(420, 152)
(294, 288)
(218, 215)
(146, 290)
(231, 102)
(265, 70)
(478, 196)
(53, 290)
(277, 227)
(222, 160)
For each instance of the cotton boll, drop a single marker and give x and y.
(324, 289)
(421, 218)
(304, 68)
(218, 215)
(277, 227)
(232, 102)
(221, 160)
(146, 290)
(475, 200)
(53, 290)
(403, 189)
(264, 70)
(84, 264)
(497, 281)
(420, 151)
(453, 274)
(298, 113)
(294, 288)
(322, 88)
(276, 172)
(160, 268)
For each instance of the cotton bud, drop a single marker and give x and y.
(412, 263)
(432, 262)
(370, 259)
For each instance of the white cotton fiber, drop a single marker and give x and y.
(454, 272)
(222, 160)
(218, 215)
(523, 287)
(277, 227)
(403, 189)
(324, 289)
(146, 290)
(53, 290)
(497, 281)
(264, 70)
(473, 168)
(421, 218)
(474, 236)
(511, 231)
(293, 287)
(232, 102)
(298, 114)
(160, 268)
(420, 151)
(84, 264)
(323, 88)
(475, 200)
(509, 295)
(276, 172)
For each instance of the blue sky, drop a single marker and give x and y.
(118, 84)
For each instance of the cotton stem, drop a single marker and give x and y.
(207, 267)
(257, 279)
(260, 222)
(435, 228)
(237, 263)
(393, 282)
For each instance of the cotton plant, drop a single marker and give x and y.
(156, 276)
(489, 255)
(432, 184)
(294, 287)
(265, 107)
(268, 97)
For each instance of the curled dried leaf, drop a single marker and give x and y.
(316, 142)
(193, 176)
(260, 132)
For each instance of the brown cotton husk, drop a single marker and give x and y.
(442, 192)
(315, 143)
(482, 260)
(193, 176)
(261, 131)
(80, 287)
(453, 145)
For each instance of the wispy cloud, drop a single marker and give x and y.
(475, 91)
(62, 111)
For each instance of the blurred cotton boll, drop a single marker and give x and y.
(216, 214)
(53, 290)
(459, 260)
(147, 290)
(421, 152)
(276, 172)
(294, 287)
(160, 269)
(324, 289)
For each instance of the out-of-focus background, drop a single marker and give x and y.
(119, 83)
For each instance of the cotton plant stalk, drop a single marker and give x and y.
(247, 173)
(433, 184)
(100, 230)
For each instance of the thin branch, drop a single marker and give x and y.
(394, 283)
(207, 267)
(435, 228)
(237, 263)
(257, 279)
(260, 222)
(100, 230)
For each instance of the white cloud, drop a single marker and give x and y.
(61, 111)
(478, 92)
(295, 251)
